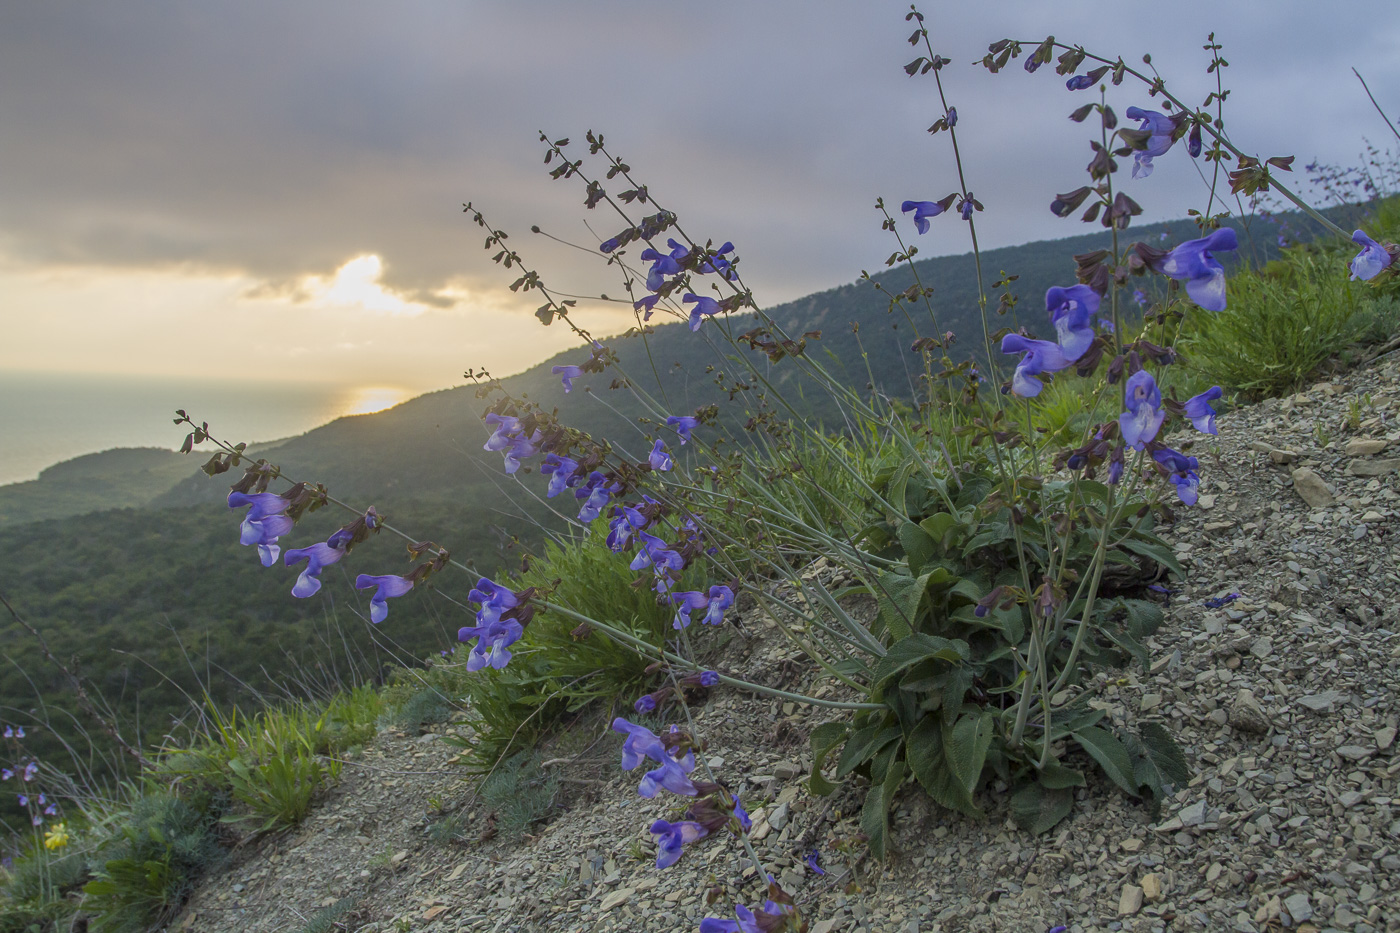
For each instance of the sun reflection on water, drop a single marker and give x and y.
(369, 399)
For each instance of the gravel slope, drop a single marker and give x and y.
(1284, 701)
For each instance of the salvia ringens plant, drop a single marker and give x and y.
(1007, 562)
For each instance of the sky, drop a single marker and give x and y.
(273, 191)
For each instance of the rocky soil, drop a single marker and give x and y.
(1284, 700)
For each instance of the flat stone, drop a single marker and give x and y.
(1373, 467)
(1364, 446)
(1385, 738)
(1311, 488)
(1263, 647)
(1371, 515)
(1354, 752)
(1152, 887)
(1320, 702)
(616, 899)
(1193, 815)
(1298, 907)
(1130, 901)
(1149, 701)
(1351, 798)
(1283, 456)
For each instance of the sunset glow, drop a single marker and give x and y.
(370, 399)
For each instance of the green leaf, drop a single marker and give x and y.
(1036, 809)
(1144, 617)
(824, 739)
(918, 546)
(899, 598)
(1110, 754)
(943, 528)
(931, 766)
(1055, 776)
(1154, 549)
(915, 648)
(1157, 759)
(864, 745)
(875, 814)
(965, 744)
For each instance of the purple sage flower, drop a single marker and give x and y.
(627, 520)
(1143, 417)
(493, 641)
(670, 837)
(771, 917)
(659, 458)
(1070, 311)
(645, 704)
(567, 375)
(715, 602)
(1041, 356)
(263, 524)
(318, 557)
(1161, 129)
(562, 473)
(683, 424)
(661, 266)
(505, 427)
(595, 494)
(709, 678)
(387, 587)
(641, 743)
(656, 554)
(1204, 275)
(1199, 410)
(1182, 473)
(1371, 261)
(704, 305)
(31, 769)
(495, 600)
(923, 210)
(646, 304)
(1140, 297)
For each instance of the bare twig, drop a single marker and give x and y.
(1389, 125)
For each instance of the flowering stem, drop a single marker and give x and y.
(1219, 135)
(1390, 126)
(710, 775)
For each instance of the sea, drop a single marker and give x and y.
(46, 418)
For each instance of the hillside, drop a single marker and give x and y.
(1285, 703)
(361, 456)
(126, 477)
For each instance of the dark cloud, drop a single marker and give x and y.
(279, 140)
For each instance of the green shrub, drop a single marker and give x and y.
(426, 707)
(554, 671)
(953, 710)
(33, 891)
(1283, 324)
(520, 793)
(151, 864)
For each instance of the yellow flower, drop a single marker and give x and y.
(56, 836)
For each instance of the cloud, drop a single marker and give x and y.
(357, 285)
(267, 143)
